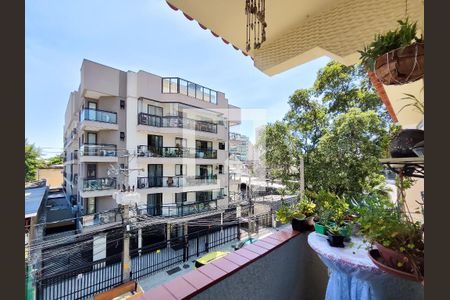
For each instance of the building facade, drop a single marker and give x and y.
(165, 137)
(241, 147)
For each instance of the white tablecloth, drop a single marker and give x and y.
(353, 275)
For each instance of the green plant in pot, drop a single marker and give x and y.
(301, 215)
(398, 239)
(324, 201)
(396, 57)
(335, 236)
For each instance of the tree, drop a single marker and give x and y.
(32, 161)
(55, 160)
(339, 126)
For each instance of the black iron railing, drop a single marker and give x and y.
(147, 151)
(174, 181)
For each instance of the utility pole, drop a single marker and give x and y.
(126, 270)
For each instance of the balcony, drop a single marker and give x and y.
(175, 85)
(180, 210)
(183, 152)
(98, 187)
(174, 181)
(98, 153)
(176, 122)
(96, 120)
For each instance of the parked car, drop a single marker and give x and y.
(207, 258)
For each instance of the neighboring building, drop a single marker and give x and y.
(240, 146)
(53, 175)
(167, 137)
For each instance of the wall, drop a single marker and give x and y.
(54, 176)
(292, 271)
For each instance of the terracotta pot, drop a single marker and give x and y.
(392, 257)
(404, 141)
(401, 65)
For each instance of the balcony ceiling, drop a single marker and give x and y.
(301, 30)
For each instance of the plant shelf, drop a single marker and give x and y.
(408, 166)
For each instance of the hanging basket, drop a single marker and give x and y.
(403, 143)
(402, 65)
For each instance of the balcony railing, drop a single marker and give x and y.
(174, 181)
(175, 85)
(146, 151)
(179, 210)
(99, 184)
(97, 115)
(98, 150)
(176, 122)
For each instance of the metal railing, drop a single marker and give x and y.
(97, 115)
(146, 151)
(174, 181)
(176, 122)
(179, 210)
(176, 85)
(99, 184)
(98, 150)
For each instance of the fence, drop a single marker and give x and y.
(95, 277)
(81, 282)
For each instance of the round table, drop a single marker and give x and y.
(353, 275)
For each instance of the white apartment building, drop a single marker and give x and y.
(166, 137)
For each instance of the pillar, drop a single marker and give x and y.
(99, 248)
(139, 240)
(126, 261)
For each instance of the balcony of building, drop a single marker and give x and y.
(175, 181)
(98, 153)
(175, 85)
(183, 154)
(98, 187)
(97, 120)
(179, 209)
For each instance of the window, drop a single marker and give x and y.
(180, 142)
(122, 104)
(154, 204)
(191, 89)
(166, 85)
(183, 87)
(180, 170)
(220, 169)
(180, 197)
(199, 92)
(213, 97)
(154, 110)
(174, 85)
(204, 171)
(91, 171)
(90, 207)
(122, 166)
(221, 146)
(122, 136)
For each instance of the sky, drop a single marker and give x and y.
(138, 35)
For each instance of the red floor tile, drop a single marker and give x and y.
(246, 253)
(237, 259)
(212, 271)
(160, 293)
(225, 265)
(264, 244)
(180, 288)
(256, 249)
(197, 279)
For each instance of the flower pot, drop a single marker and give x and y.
(401, 65)
(320, 228)
(346, 232)
(403, 143)
(392, 257)
(419, 149)
(301, 225)
(336, 240)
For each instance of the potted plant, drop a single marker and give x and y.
(404, 142)
(397, 238)
(335, 236)
(301, 215)
(396, 57)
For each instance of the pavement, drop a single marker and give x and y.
(159, 278)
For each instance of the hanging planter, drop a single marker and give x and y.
(402, 145)
(401, 65)
(396, 57)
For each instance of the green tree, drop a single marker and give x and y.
(32, 161)
(339, 126)
(55, 160)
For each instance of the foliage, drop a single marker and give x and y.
(403, 36)
(32, 161)
(330, 207)
(339, 127)
(415, 103)
(301, 210)
(381, 221)
(54, 160)
(333, 229)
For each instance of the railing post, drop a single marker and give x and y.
(198, 244)
(186, 243)
(126, 268)
(207, 241)
(239, 230)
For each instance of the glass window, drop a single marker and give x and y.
(180, 142)
(155, 110)
(174, 85)
(220, 169)
(206, 94)
(180, 197)
(166, 85)
(183, 87)
(214, 97)
(180, 170)
(90, 205)
(191, 89)
(199, 93)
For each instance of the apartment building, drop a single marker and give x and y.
(241, 147)
(165, 136)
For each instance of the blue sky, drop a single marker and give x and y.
(136, 35)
